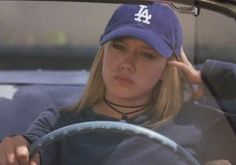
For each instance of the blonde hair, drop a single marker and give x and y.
(168, 99)
(167, 96)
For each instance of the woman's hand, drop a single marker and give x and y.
(14, 151)
(192, 75)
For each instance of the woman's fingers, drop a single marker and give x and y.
(21, 150)
(184, 57)
(193, 75)
(9, 153)
(35, 160)
(22, 154)
(14, 151)
(180, 65)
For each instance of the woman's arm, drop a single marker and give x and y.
(15, 149)
(42, 125)
(219, 77)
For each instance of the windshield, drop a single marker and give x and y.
(77, 27)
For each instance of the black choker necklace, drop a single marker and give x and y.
(124, 114)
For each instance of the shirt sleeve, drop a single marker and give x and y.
(220, 78)
(42, 125)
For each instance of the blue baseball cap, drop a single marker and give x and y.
(155, 24)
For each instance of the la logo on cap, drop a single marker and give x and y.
(143, 15)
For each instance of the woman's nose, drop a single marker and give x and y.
(128, 63)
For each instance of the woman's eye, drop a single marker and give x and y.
(118, 46)
(147, 55)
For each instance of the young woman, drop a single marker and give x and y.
(131, 80)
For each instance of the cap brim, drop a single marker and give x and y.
(147, 36)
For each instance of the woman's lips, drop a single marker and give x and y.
(123, 80)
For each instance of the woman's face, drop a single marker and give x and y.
(130, 70)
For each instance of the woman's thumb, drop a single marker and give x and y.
(35, 159)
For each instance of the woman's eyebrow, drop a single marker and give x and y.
(118, 40)
(144, 46)
(147, 47)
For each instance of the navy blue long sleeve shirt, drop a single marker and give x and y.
(203, 132)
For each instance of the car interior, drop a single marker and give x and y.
(50, 68)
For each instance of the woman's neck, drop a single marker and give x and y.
(128, 101)
(120, 111)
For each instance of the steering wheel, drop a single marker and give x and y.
(112, 127)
